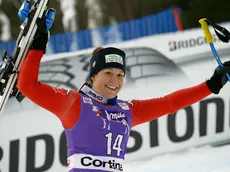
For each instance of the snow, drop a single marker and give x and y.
(203, 159)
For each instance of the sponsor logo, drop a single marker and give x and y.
(87, 100)
(189, 43)
(118, 117)
(94, 64)
(130, 102)
(68, 162)
(89, 161)
(67, 92)
(124, 106)
(95, 109)
(113, 58)
(96, 96)
(61, 91)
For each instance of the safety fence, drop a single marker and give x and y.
(163, 22)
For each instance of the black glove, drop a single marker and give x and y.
(219, 78)
(41, 36)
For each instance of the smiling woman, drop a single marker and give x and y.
(108, 82)
(107, 74)
(97, 124)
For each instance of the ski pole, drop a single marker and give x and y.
(209, 40)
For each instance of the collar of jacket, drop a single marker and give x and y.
(85, 89)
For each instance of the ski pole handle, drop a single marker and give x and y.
(206, 30)
(209, 40)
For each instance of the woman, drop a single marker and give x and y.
(96, 123)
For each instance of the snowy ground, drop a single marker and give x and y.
(205, 159)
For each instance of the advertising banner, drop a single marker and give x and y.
(32, 139)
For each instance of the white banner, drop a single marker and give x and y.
(32, 139)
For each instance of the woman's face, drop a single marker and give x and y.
(108, 82)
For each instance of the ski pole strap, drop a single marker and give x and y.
(222, 33)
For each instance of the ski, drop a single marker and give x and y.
(10, 66)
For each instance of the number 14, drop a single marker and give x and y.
(116, 145)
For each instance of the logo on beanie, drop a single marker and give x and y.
(113, 58)
(94, 64)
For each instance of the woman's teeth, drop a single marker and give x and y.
(111, 87)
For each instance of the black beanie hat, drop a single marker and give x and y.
(107, 58)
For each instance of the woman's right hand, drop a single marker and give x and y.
(41, 36)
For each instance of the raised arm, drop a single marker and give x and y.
(57, 101)
(147, 110)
